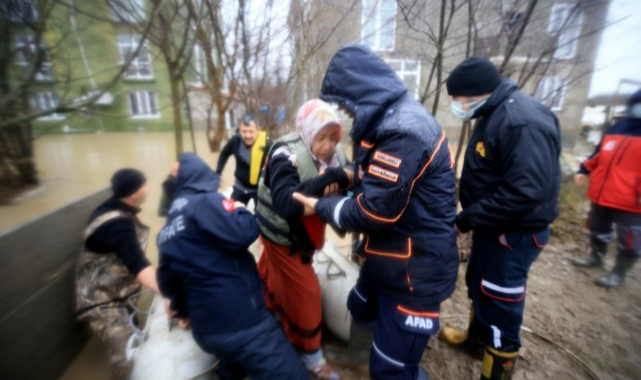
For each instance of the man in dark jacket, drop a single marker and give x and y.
(211, 279)
(509, 189)
(404, 204)
(113, 266)
(249, 147)
(615, 191)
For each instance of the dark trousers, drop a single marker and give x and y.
(242, 196)
(628, 228)
(496, 280)
(261, 352)
(401, 333)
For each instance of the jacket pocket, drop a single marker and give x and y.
(540, 239)
(392, 247)
(387, 258)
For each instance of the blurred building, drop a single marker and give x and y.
(552, 58)
(83, 46)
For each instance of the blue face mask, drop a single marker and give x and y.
(457, 108)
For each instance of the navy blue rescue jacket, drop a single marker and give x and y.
(511, 175)
(205, 268)
(404, 182)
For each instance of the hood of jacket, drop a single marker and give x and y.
(360, 81)
(195, 176)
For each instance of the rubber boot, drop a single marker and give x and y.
(595, 259)
(358, 351)
(498, 365)
(616, 278)
(466, 339)
(422, 374)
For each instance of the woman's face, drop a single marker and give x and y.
(324, 144)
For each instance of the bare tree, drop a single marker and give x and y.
(33, 53)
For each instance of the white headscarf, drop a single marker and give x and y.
(312, 117)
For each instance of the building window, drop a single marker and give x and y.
(128, 11)
(409, 72)
(27, 55)
(20, 11)
(143, 105)
(550, 92)
(140, 67)
(41, 101)
(378, 24)
(565, 21)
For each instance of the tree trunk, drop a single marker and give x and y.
(219, 133)
(175, 104)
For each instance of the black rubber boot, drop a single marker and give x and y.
(595, 259)
(616, 278)
(498, 365)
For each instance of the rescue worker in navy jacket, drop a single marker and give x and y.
(509, 189)
(615, 191)
(211, 279)
(249, 147)
(404, 204)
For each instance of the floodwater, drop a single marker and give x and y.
(73, 166)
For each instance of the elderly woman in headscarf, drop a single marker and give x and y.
(308, 161)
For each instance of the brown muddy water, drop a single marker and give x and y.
(74, 166)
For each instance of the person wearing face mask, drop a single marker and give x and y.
(508, 191)
(615, 191)
(404, 203)
(308, 161)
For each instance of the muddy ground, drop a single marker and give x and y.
(579, 330)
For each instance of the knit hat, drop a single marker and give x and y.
(472, 77)
(125, 182)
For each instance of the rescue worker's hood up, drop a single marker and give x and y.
(363, 83)
(195, 176)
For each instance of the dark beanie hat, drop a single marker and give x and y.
(125, 182)
(472, 77)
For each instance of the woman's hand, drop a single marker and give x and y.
(331, 189)
(579, 179)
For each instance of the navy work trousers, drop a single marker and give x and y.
(496, 280)
(261, 352)
(401, 332)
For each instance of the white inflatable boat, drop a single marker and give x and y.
(337, 276)
(162, 354)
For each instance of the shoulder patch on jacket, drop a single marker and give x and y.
(228, 205)
(284, 150)
(382, 173)
(387, 159)
(480, 148)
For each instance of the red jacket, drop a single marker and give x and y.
(615, 168)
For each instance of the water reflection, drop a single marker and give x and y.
(73, 166)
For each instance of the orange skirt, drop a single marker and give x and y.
(293, 291)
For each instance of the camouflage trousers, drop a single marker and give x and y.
(111, 324)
